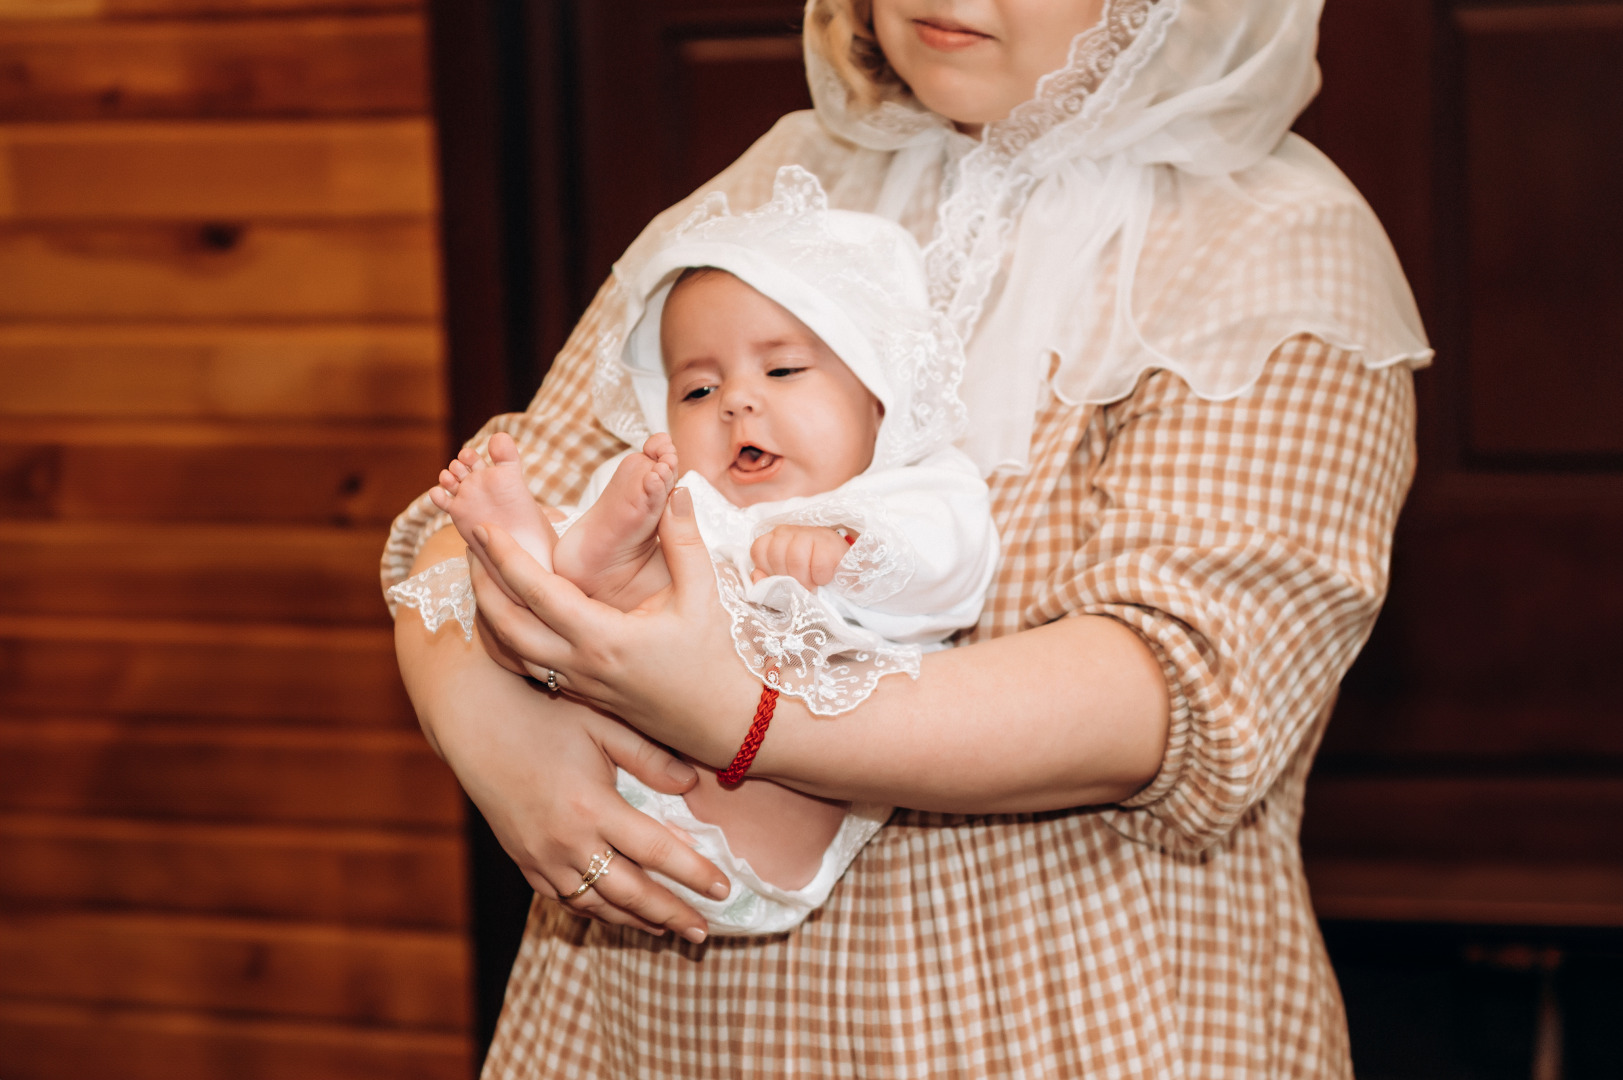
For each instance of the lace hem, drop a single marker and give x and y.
(820, 658)
(439, 594)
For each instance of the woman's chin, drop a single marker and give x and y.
(963, 104)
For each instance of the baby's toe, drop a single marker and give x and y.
(449, 481)
(469, 459)
(502, 447)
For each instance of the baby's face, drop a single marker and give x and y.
(758, 405)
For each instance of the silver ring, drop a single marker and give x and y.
(552, 681)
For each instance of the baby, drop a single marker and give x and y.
(797, 382)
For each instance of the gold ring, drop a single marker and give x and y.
(596, 868)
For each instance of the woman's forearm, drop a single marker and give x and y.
(431, 663)
(1074, 713)
(541, 768)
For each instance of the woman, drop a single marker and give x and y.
(1189, 350)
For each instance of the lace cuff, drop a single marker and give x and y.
(441, 593)
(878, 566)
(821, 659)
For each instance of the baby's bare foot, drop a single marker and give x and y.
(475, 493)
(603, 551)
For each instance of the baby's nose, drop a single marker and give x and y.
(738, 402)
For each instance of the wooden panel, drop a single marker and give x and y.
(709, 121)
(1543, 106)
(49, 1042)
(321, 875)
(1496, 894)
(1560, 819)
(372, 65)
(213, 472)
(211, 270)
(694, 87)
(200, 170)
(232, 965)
(343, 373)
(206, 671)
(96, 9)
(201, 571)
(1367, 118)
(109, 768)
(1471, 659)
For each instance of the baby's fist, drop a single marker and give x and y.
(808, 553)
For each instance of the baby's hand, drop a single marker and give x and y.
(807, 553)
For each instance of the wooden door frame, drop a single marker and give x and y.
(501, 84)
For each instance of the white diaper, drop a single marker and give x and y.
(754, 906)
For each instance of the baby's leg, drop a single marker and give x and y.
(611, 552)
(779, 832)
(474, 493)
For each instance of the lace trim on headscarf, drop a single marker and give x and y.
(1170, 115)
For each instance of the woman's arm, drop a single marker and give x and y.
(541, 770)
(1237, 550)
(1071, 714)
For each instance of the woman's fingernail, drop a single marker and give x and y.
(720, 891)
(481, 534)
(681, 772)
(695, 935)
(682, 503)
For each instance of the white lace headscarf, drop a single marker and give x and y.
(856, 280)
(1171, 116)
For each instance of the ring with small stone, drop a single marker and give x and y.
(551, 681)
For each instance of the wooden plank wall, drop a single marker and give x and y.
(225, 851)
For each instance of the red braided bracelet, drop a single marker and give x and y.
(734, 773)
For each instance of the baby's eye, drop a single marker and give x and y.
(696, 394)
(784, 372)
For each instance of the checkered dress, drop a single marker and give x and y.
(1247, 542)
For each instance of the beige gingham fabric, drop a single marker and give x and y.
(1247, 541)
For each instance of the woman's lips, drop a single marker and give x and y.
(947, 36)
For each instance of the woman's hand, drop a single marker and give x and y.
(541, 769)
(668, 666)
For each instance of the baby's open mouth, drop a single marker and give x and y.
(752, 464)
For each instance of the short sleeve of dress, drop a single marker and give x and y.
(1247, 542)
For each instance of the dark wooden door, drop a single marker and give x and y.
(1474, 771)
(670, 92)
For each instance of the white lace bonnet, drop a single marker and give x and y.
(1170, 121)
(856, 280)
